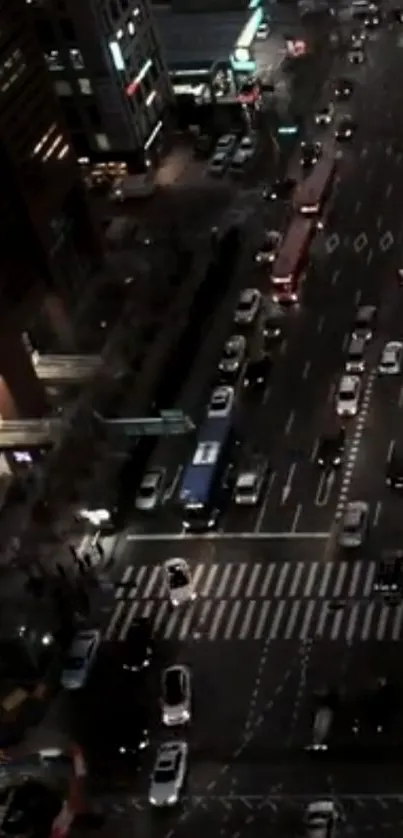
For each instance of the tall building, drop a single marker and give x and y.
(49, 244)
(108, 71)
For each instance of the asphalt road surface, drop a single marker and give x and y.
(264, 636)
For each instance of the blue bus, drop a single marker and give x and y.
(204, 478)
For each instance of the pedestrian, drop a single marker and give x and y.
(61, 570)
(86, 559)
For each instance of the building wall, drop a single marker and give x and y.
(95, 51)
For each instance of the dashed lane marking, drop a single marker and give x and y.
(386, 242)
(360, 242)
(354, 447)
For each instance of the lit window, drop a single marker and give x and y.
(150, 98)
(76, 59)
(117, 56)
(63, 88)
(131, 28)
(53, 60)
(85, 87)
(119, 34)
(102, 142)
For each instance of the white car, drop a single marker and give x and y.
(348, 396)
(248, 145)
(325, 115)
(239, 162)
(218, 163)
(320, 819)
(178, 581)
(248, 306)
(79, 659)
(176, 695)
(226, 144)
(391, 358)
(354, 524)
(150, 490)
(268, 250)
(169, 773)
(222, 399)
(248, 488)
(233, 356)
(356, 56)
(263, 31)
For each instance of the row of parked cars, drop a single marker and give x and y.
(233, 154)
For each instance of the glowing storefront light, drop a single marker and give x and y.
(241, 58)
(117, 56)
(153, 135)
(132, 87)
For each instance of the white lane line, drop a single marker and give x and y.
(129, 619)
(366, 626)
(354, 579)
(336, 625)
(388, 190)
(391, 450)
(244, 630)
(307, 619)
(382, 622)
(162, 611)
(232, 619)
(397, 623)
(259, 519)
(401, 397)
(223, 583)
(252, 581)
(369, 579)
(174, 485)
(290, 422)
(110, 631)
(325, 579)
(340, 579)
(234, 592)
(335, 276)
(153, 580)
(305, 371)
(296, 517)
(120, 590)
(286, 490)
(311, 579)
(215, 625)
(377, 514)
(262, 619)
(187, 621)
(292, 619)
(281, 580)
(277, 620)
(280, 535)
(296, 580)
(267, 580)
(314, 451)
(352, 621)
(208, 584)
(369, 256)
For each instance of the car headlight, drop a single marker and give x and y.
(122, 750)
(143, 744)
(153, 801)
(172, 799)
(186, 715)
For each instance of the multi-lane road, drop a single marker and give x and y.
(281, 612)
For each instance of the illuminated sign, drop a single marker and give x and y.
(117, 56)
(133, 86)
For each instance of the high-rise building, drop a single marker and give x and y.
(49, 244)
(108, 70)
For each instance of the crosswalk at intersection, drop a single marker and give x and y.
(259, 601)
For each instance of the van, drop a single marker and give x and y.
(355, 361)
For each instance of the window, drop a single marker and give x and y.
(63, 88)
(102, 142)
(85, 87)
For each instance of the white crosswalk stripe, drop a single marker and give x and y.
(240, 601)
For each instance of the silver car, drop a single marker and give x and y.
(150, 490)
(218, 163)
(354, 524)
(320, 818)
(169, 773)
(233, 356)
(79, 659)
(248, 306)
(176, 697)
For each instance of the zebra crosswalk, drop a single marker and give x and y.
(259, 601)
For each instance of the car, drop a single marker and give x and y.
(272, 334)
(233, 357)
(394, 470)
(388, 579)
(221, 401)
(248, 307)
(263, 31)
(218, 163)
(365, 321)
(80, 659)
(239, 162)
(331, 450)
(378, 707)
(356, 56)
(391, 359)
(358, 38)
(354, 524)
(345, 129)
(326, 703)
(178, 581)
(250, 481)
(226, 144)
(372, 20)
(150, 490)
(176, 695)
(324, 116)
(348, 396)
(248, 144)
(137, 647)
(320, 819)
(343, 88)
(310, 154)
(280, 190)
(256, 373)
(269, 248)
(169, 773)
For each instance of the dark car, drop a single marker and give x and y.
(31, 810)
(343, 89)
(376, 709)
(280, 190)
(331, 450)
(396, 15)
(137, 647)
(272, 334)
(203, 146)
(389, 573)
(130, 732)
(256, 373)
(394, 470)
(345, 128)
(310, 153)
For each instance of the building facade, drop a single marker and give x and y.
(108, 71)
(49, 243)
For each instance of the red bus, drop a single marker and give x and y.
(312, 193)
(288, 270)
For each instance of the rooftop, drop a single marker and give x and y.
(187, 45)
